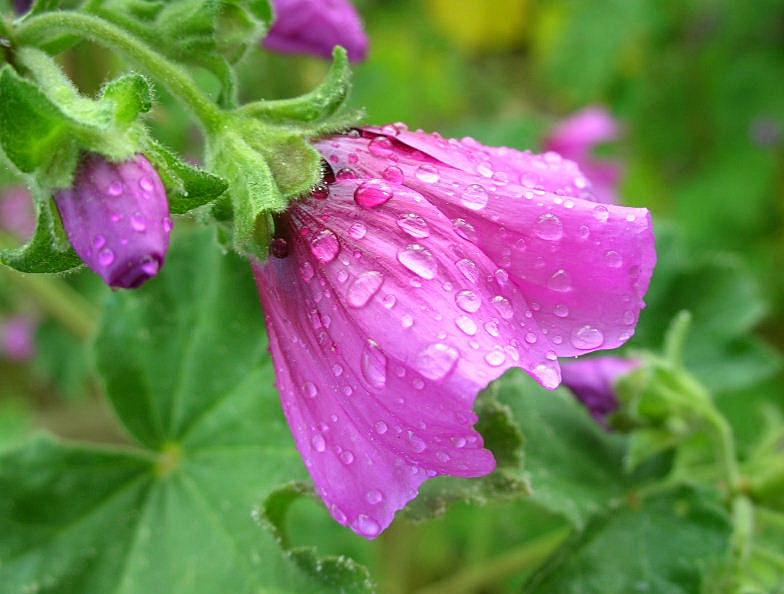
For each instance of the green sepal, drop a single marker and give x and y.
(131, 96)
(318, 105)
(188, 187)
(253, 193)
(47, 251)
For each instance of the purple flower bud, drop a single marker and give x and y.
(593, 382)
(22, 6)
(17, 338)
(17, 215)
(316, 27)
(117, 218)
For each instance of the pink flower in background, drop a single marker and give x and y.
(421, 271)
(17, 213)
(576, 137)
(316, 27)
(17, 338)
(593, 382)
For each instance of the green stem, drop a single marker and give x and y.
(527, 556)
(36, 31)
(725, 443)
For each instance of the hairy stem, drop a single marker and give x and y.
(37, 31)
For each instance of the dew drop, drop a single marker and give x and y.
(474, 197)
(468, 301)
(613, 259)
(99, 241)
(561, 310)
(413, 225)
(366, 526)
(309, 389)
(427, 174)
(374, 365)
(495, 358)
(417, 443)
(586, 337)
(469, 269)
(307, 272)
(373, 497)
(419, 261)
(394, 174)
(146, 184)
(547, 375)
(138, 223)
(381, 147)
(465, 230)
(381, 427)
(357, 230)
(372, 193)
(363, 288)
(466, 325)
(549, 227)
(436, 361)
(168, 224)
(560, 282)
(601, 214)
(115, 188)
(325, 246)
(106, 258)
(318, 443)
(347, 457)
(503, 307)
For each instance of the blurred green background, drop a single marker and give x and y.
(698, 86)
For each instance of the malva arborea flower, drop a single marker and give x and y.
(316, 27)
(17, 215)
(17, 342)
(117, 218)
(593, 382)
(421, 271)
(577, 136)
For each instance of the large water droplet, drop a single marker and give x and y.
(503, 307)
(363, 287)
(419, 261)
(146, 184)
(468, 301)
(381, 147)
(366, 526)
(372, 193)
(495, 358)
(587, 337)
(465, 230)
(413, 225)
(374, 365)
(318, 443)
(325, 246)
(394, 174)
(549, 227)
(436, 361)
(469, 269)
(474, 197)
(548, 375)
(427, 174)
(466, 324)
(560, 282)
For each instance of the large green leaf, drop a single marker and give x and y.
(666, 544)
(186, 370)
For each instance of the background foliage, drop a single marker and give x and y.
(191, 489)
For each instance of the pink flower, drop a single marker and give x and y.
(576, 137)
(422, 271)
(593, 382)
(316, 27)
(17, 215)
(17, 341)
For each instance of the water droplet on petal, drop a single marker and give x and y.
(381, 147)
(474, 197)
(309, 389)
(374, 365)
(366, 526)
(99, 241)
(548, 375)
(587, 337)
(436, 361)
(503, 307)
(364, 287)
(561, 310)
(469, 269)
(372, 193)
(466, 324)
(427, 174)
(357, 230)
(560, 282)
(417, 443)
(347, 457)
(465, 230)
(419, 261)
(115, 188)
(325, 246)
(549, 227)
(307, 272)
(168, 224)
(394, 174)
(613, 259)
(380, 427)
(106, 258)
(373, 497)
(138, 223)
(146, 184)
(601, 214)
(495, 358)
(318, 443)
(468, 301)
(413, 225)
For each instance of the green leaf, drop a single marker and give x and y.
(664, 544)
(131, 95)
(185, 367)
(47, 251)
(33, 131)
(188, 187)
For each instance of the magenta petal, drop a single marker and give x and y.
(384, 326)
(316, 27)
(593, 382)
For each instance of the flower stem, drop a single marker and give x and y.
(527, 556)
(38, 30)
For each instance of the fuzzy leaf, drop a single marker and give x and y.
(666, 544)
(131, 95)
(186, 369)
(188, 187)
